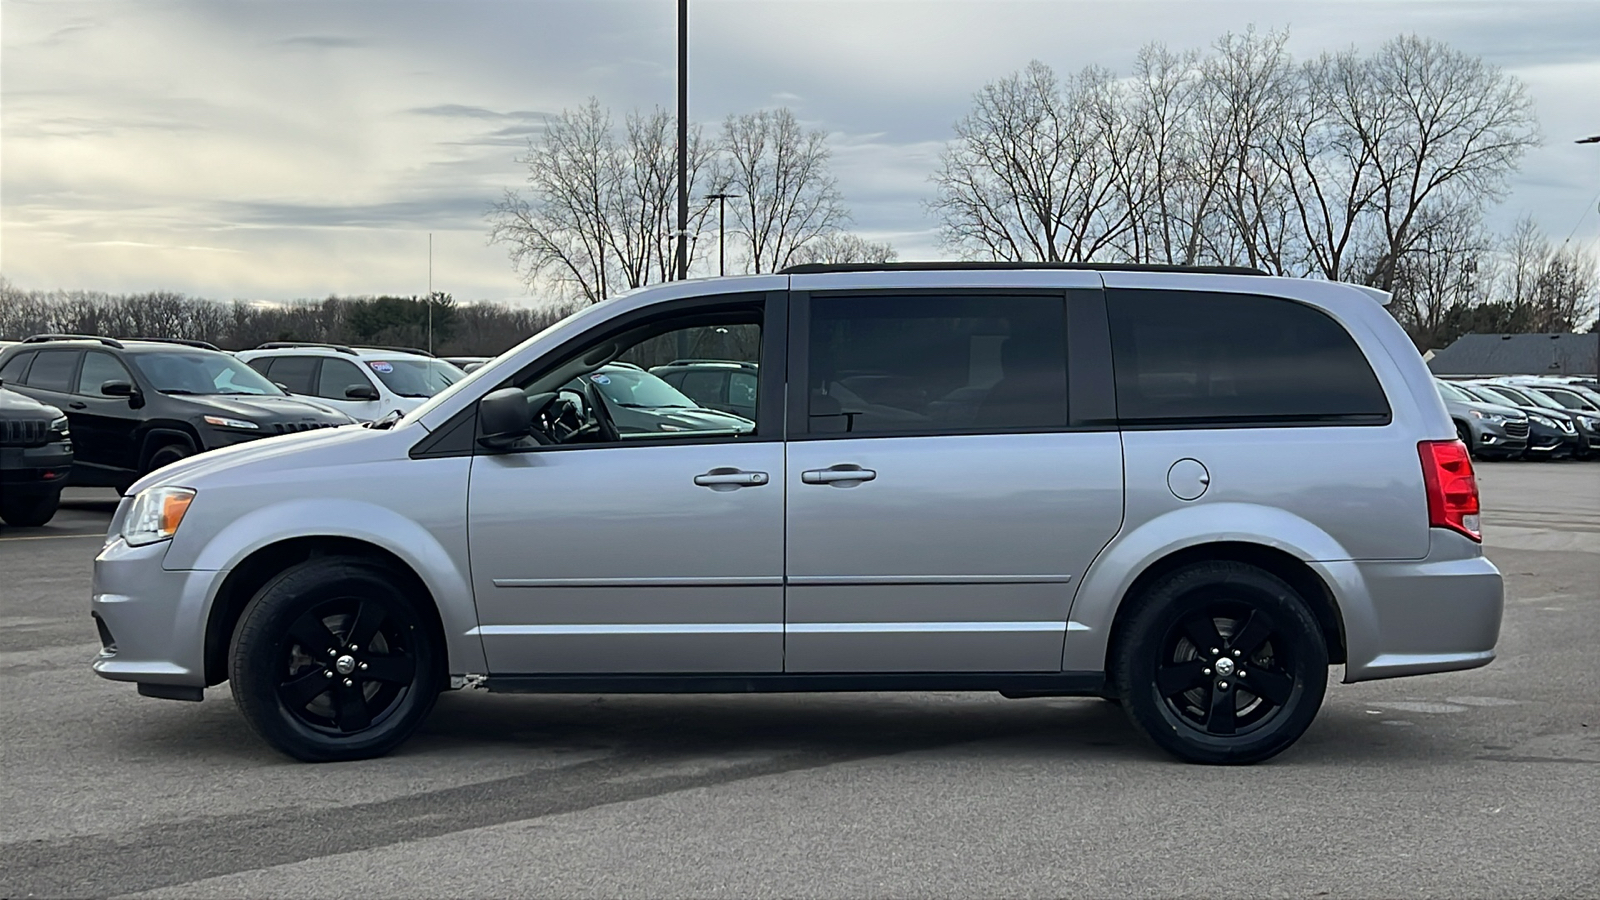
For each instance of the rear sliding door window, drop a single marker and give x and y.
(1195, 359)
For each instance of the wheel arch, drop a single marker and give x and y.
(159, 434)
(244, 580)
(1300, 576)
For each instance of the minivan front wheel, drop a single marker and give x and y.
(331, 661)
(1221, 662)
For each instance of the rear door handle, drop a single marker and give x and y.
(726, 479)
(845, 473)
(77, 404)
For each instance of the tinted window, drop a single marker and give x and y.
(260, 364)
(295, 373)
(52, 370)
(12, 371)
(338, 374)
(99, 368)
(742, 389)
(942, 364)
(1192, 358)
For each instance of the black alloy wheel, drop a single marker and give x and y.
(1222, 663)
(332, 661)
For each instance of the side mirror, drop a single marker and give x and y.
(362, 392)
(504, 417)
(282, 387)
(116, 388)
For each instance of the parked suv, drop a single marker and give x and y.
(723, 384)
(35, 458)
(1489, 431)
(366, 383)
(1190, 491)
(1574, 435)
(138, 405)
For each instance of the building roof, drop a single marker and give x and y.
(1519, 354)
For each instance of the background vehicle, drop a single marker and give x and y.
(1118, 506)
(638, 402)
(722, 384)
(1549, 436)
(1582, 403)
(365, 383)
(138, 405)
(1569, 423)
(1489, 431)
(467, 363)
(35, 459)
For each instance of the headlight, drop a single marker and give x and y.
(225, 422)
(1548, 423)
(1590, 422)
(156, 514)
(1475, 414)
(59, 426)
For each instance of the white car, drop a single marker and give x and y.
(367, 383)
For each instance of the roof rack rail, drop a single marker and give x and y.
(203, 345)
(743, 364)
(415, 350)
(969, 266)
(46, 338)
(284, 345)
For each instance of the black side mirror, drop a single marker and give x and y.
(282, 387)
(504, 417)
(361, 392)
(118, 388)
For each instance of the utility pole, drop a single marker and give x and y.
(683, 140)
(722, 247)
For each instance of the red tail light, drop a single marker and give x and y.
(1452, 488)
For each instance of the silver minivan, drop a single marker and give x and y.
(1188, 491)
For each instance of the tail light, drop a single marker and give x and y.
(1452, 487)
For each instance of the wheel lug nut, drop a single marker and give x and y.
(1235, 653)
(333, 651)
(1215, 651)
(349, 683)
(364, 665)
(1221, 685)
(1205, 671)
(1240, 673)
(328, 674)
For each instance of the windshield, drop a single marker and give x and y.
(414, 377)
(201, 372)
(638, 390)
(1451, 392)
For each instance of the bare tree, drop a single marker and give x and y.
(1549, 288)
(789, 196)
(1444, 128)
(1033, 173)
(1442, 276)
(597, 218)
(843, 247)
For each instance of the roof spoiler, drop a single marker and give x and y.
(1384, 298)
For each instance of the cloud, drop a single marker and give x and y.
(323, 41)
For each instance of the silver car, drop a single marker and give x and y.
(1191, 492)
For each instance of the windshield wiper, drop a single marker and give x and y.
(387, 422)
(182, 392)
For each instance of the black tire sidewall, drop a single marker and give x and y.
(1181, 594)
(21, 508)
(255, 663)
(166, 455)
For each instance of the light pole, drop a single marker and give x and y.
(722, 246)
(683, 140)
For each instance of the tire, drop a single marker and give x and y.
(304, 689)
(29, 509)
(166, 455)
(1177, 692)
(1465, 434)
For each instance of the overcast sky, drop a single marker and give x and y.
(274, 150)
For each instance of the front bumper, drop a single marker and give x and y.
(152, 620)
(1411, 617)
(44, 466)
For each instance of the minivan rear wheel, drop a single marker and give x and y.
(1221, 662)
(332, 661)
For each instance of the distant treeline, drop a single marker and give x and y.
(459, 329)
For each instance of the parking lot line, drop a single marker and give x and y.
(53, 537)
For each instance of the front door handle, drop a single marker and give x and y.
(77, 404)
(840, 474)
(726, 479)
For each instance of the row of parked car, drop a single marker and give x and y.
(1526, 417)
(100, 411)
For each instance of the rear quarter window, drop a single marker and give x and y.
(1197, 359)
(15, 368)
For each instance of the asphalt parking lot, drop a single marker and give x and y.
(1481, 783)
